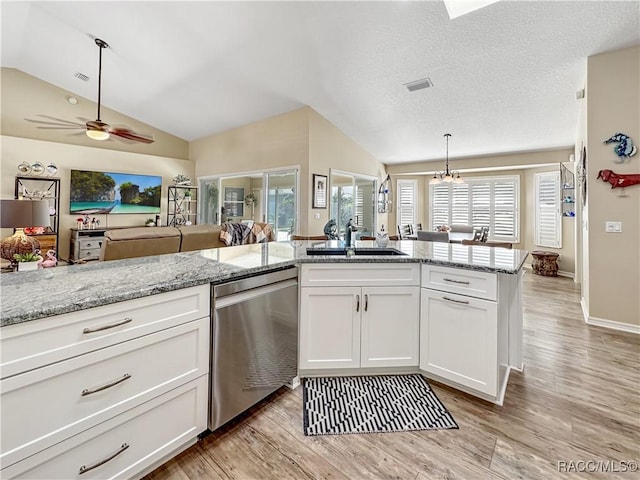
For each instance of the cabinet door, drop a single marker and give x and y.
(330, 327)
(458, 339)
(390, 326)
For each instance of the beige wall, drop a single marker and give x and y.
(280, 141)
(329, 148)
(613, 266)
(15, 150)
(27, 97)
(300, 138)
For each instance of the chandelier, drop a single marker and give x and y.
(448, 176)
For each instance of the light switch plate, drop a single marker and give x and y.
(613, 227)
(316, 216)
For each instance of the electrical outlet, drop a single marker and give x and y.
(613, 227)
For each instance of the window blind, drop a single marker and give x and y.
(406, 201)
(482, 201)
(548, 222)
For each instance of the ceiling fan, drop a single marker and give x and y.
(96, 129)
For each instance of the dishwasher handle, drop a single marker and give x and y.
(228, 300)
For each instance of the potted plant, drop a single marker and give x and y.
(27, 261)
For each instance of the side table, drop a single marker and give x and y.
(545, 263)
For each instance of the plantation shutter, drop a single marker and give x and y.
(406, 202)
(548, 223)
(481, 202)
(439, 205)
(359, 220)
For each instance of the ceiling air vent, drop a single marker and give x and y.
(81, 76)
(419, 84)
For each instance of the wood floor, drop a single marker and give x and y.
(578, 400)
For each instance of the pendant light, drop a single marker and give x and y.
(448, 176)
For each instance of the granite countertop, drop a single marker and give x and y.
(29, 296)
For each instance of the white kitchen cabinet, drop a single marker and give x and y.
(465, 322)
(373, 322)
(330, 332)
(458, 339)
(390, 324)
(84, 375)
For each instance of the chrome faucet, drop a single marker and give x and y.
(349, 229)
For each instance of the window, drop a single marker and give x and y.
(548, 223)
(406, 202)
(482, 201)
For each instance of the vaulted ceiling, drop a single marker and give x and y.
(504, 76)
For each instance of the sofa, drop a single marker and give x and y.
(142, 241)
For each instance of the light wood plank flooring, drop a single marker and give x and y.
(577, 400)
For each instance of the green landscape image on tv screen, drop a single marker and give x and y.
(94, 193)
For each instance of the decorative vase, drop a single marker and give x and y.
(382, 238)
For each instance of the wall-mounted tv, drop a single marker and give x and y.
(96, 193)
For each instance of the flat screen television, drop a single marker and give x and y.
(95, 193)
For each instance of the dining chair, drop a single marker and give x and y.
(459, 227)
(309, 237)
(488, 244)
(433, 236)
(404, 231)
(391, 237)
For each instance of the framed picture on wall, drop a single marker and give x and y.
(319, 191)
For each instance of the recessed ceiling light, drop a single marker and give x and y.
(72, 100)
(419, 84)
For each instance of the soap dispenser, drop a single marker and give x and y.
(382, 237)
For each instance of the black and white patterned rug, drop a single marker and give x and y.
(387, 403)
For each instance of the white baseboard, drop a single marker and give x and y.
(603, 322)
(562, 273)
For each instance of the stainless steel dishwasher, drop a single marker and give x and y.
(254, 348)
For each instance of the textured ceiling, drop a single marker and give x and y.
(505, 76)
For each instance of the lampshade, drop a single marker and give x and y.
(19, 214)
(24, 213)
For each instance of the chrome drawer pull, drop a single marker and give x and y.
(456, 281)
(106, 327)
(366, 302)
(84, 469)
(357, 303)
(89, 391)
(465, 302)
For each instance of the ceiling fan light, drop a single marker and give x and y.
(97, 134)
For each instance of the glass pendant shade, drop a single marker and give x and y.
(97, 134)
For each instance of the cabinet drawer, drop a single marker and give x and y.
(91, 243)
(86, 253)
(360, 274)
(462, 281)
(149, 432)
(40, 342)
(46, 405)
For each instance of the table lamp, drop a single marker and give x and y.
(19, 214)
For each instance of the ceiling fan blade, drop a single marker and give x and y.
(60, 120)
(130, 135)
(58, 124)
(63, 128)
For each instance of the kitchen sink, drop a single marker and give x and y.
(356, 251)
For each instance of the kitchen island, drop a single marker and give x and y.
(43, 293)
(115, 348)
